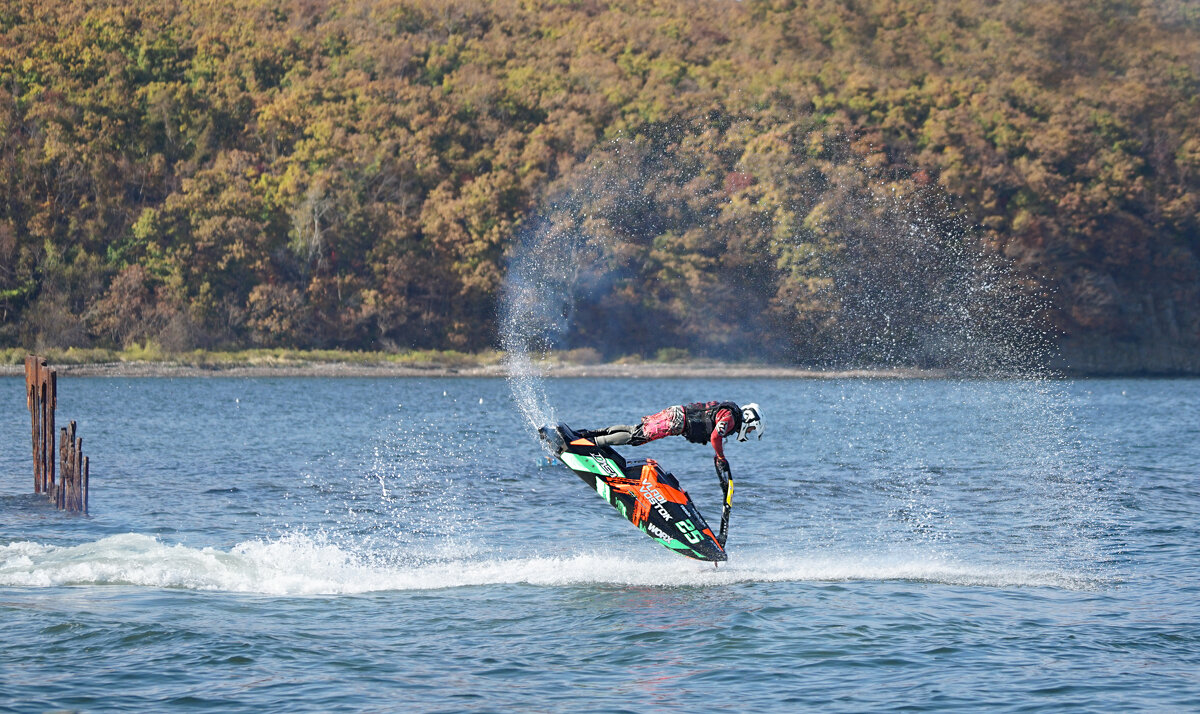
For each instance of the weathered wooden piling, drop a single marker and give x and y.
(73, 474)
(69, 491)
(41, 390)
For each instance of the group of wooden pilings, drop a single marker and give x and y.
(70, 491)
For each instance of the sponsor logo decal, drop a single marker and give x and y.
(656, 499)
(606, 467)
(648, 490)
(659, 533)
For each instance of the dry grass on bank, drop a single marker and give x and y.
(217, 359)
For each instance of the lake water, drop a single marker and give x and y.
(404, 544)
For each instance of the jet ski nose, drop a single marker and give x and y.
(553, 438)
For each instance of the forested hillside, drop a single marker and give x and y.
(357, 174)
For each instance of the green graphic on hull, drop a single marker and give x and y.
(672, 544)
(603, 489)
(590, 464)
(669, 542)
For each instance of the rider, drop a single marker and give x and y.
(699, 423)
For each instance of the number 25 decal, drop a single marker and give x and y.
(689, 531)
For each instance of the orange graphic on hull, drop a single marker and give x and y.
(669, 493)
(629, 487)
(641, 490)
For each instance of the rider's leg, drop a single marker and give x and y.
(614, 435)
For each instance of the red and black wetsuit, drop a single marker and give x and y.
(698, 422)
(711, 422)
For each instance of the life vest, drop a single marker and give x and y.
(700, 418)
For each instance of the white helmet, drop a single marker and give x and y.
(751, 421)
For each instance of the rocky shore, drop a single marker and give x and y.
(346, 369)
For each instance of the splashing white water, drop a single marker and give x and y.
(532, 317)
(559, 260)
(298, 565)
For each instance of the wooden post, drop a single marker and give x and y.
(51, 376)
(62, 494)
(76, 478)
(29, 405)
(85, 485)
(41, 392)
(41, 396)
(35, 412)
(64, 449)
(64, 456)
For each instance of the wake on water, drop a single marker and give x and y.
(299, 565)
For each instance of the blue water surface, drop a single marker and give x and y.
(296, 544)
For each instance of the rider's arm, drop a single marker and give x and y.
(720, 431)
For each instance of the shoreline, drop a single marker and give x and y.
(552, 370)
